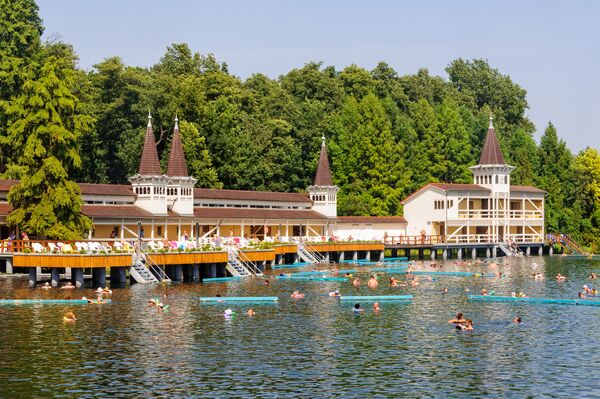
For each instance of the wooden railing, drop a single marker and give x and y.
(415, 240)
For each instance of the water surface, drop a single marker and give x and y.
(310, 348)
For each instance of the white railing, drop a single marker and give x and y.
(529, 237)
(499, 214)
(487, 238)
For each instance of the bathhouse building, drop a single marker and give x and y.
(490, 210)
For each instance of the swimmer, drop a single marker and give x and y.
(592, 276)
(445, 290)
(250, 312)
(356, 308)
(297, 295)
(560, 277)
(109, 292)
(393, 281)
(414, 282)
(228, 313)
(376, 307)
(534, 265)
(266, 282)
(517, 320)
(67, 286)
(334, 293)
(484, 292)
(99, 290)
(356, 282)
(468, 326)
(69, 318)
(459, 319)
(580, 295)
(46, 286)
(372, 282)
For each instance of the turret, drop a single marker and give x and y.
(492, 172)
(150, 184)
(323, 192)
(180, 186)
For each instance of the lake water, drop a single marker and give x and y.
(310, 348)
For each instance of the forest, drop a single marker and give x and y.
(387, 133)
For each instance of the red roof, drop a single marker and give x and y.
(86, 188)
(211, 193)
(323, 175)
(115, 211)
(491, 154)
(149, 164)
(247, 213)
(448, 187)
(372, 219)
(177, 166)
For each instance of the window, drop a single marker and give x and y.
(438, 204)
(450, 203)
(159, 231)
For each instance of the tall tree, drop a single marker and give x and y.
(45, 124)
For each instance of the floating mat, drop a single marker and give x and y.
(312, 278)
(392, 269)
(312, 273)
(465, 274)
(239, 299)
(376, 298)
(219, 279)
(582, 257)
(493, 298)
(301, 264)
(47, 301)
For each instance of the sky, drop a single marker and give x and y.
(550, 48)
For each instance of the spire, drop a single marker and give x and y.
(149, 164)
(177, 165)
(491, 154)
(323, 175)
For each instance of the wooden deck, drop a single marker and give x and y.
(71, 260)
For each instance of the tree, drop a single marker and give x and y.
(587, 170)
(45, 124)
(198, 158)
(522, 154)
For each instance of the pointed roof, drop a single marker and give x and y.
(149, 164)
(491, 154)
(177, 165)
(323, 175)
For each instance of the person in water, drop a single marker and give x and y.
(468, 326)
(297, 295)
(334, 293)
(69, 318)
(376, 307)
(356, 282)
(357, 308)
(517, 320)
(372, 282)
(46, 286)
(266, 282)
(459, 319)
(67, 286)
(250, 312)
(560, 277)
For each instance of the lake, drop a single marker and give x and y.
(310, 348)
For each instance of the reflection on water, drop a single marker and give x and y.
(313, 347)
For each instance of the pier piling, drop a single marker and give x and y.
(55, 277)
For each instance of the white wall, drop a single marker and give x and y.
(368, 231)
(419, 211)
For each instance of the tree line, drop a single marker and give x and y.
(387, 134)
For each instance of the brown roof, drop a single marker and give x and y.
(526, 189)
(491, 154)
(323, 175)
(371, 219)
(211, 193)
(246, 213)
(86, 188)
(115, 211)
(149, 164)
(5, 185)
(448, 187)
(177, 166)
(5, 208)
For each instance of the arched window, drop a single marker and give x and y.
(496, 179)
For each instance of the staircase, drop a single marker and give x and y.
(238, 265)
(144, 270)
(307, 255)
(505, 248)
(567, 243)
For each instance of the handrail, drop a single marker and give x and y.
(313, 252)
(154, 267)
(415, 240)
(246, 263)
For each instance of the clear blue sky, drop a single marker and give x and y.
(551, 48)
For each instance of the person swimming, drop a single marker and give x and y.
(266, 282)
(372, 282)
(560, 277)
(69, 318)
(334, 293)
(445, 290)
(592, 276)
(376, 307)
(468, 326)
(357, 308)
(459, 319)
(46, 286)
(517, 320)
(356, 282)
(229, 313)
(250, 312)
(297, 295)
(67, 286)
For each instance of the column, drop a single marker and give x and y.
(550, 252)
(421, 253)
(459, 253)
(341, 258)
(474, 253)
(381, 255)
(77, 275)
(432, 253)
(355, 255)
(213, 270)
(195, 273)
(55, 277)
(9, 266)
(445, 254)
(368, 256)
(32, 277)
(528, 251)
(99, 277)
(488, 252)
(178, 273)
(327, 256)
(495, 251)
(541, 250)
(407, 253)
(394, 253)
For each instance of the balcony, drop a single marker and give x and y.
(527, 214)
